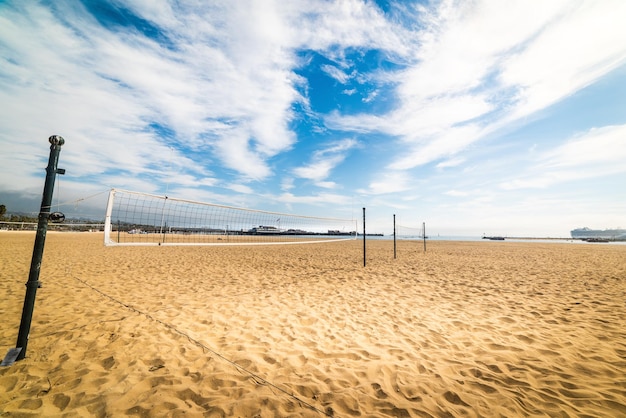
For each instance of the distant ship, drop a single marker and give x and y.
(265, 230)
(586, 233)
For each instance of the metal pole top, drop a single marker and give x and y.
(56, 140)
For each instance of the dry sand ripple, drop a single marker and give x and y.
(466, 329)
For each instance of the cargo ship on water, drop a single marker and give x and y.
(605, 234)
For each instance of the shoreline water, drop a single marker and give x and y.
(388, 237)
(471, 238)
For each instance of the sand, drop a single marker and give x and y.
(466, 329)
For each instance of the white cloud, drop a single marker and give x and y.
(203, 88)
(331, 26)
(232, 94)
(318, 199)
(599, 147)
(388, 182)
(318, 169)
(325, 160)
(444, 145)
(464, 42)
(598, 152)
(371, 96)
(241, 188)
(287, 184)
(326, 184)
(457, 193)
(453, 162)
(335, 73)
(482, 65)
(236, 152)
(582, 42)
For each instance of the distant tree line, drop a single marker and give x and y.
(15, 217)
(68, 225)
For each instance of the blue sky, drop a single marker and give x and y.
(475, 117)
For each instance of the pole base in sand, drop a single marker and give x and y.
(11, 356)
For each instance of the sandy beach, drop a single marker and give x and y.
(471, 329)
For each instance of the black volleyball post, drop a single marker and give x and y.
(19, 352)
(394, 236)
(424, 234)
(364, 257)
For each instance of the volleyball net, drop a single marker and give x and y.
(410, 233)
(136, 218)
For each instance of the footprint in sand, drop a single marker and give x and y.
(108, 362)
(31, 404)
(380, 393)
(61, 401)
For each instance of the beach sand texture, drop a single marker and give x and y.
(466, 329)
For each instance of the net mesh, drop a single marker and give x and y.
(409, 233)
(135, 218)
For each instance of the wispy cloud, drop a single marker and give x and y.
(388, 182)
(323, 161)
(315, 199)
(206, 95)
(241, 188)
(582, 42)
(450, 163)
(467, 83)
(598, 152)
(335, 73)
(457, 193)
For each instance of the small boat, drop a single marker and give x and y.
(595, 240)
